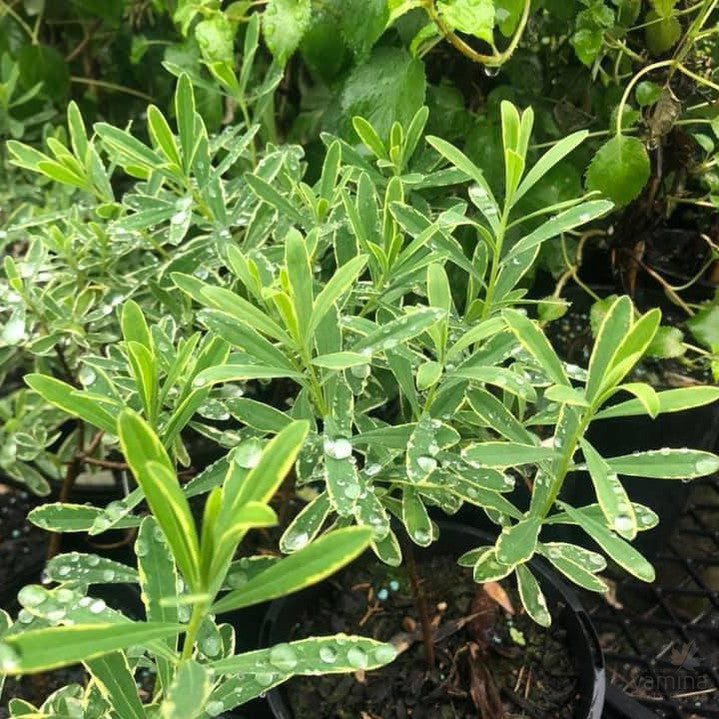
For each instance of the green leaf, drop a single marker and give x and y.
(299, 274)
(670, 400)
(535, 342)
(517, 543)
(662, 32)
(388, 87)
(130, 149)
(134, 326)
(317, 655)
(506, 454)
(185, 114)
(563, 222)
(44, 64)
(611, 495)
(306, 525)
(114, 678)
(667, 343)
(619, 169)
(89, 569)
(260, 484)
(154, 474)
(340, 282)
(216, 37)
(472, 17)
(72, 401)
(245, 338)
(187, 696)
(64, 517)
(52, 647)
(162, 136)
(704, 325)
(257, 414)
(307, 566)
(484, 199)
(495, 415)
(267, 193)
(284, 22)
(361, 36)
(398, 331)
(415, 518)
(486, 567)
(158, 585)
(545, 163)
(369, 137)
(240, 373)
(620, 551)
(507, 379)
(531, 595)
(613, 329)
(632, 348)
(666, 464)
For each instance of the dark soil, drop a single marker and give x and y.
(22, 545)
(481, 668)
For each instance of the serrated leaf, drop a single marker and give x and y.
(284, 22)
(619, 169)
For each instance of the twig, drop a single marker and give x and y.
(420, 602)
(85, 40)
(71, 474)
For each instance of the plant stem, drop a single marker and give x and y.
(198, 614)
(71, 474)
(496, 58)
(420, 602)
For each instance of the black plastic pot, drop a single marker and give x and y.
(455, 539)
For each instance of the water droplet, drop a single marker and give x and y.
(214, 707)
(64, 595)
(237, 579)
(179, 218)
(97, 606)
(426, 463)
(108, 575)
(338, 448)
(63, 570)
(422, 536)
(394, 585)
(623, 523)
(264, 679)
(352, 491)
(357, 657)
(296, 540)
(247, 455)
(382, 594)
(32, 595)
(373, 469)
(86, 375)
(199, 381)
(385, 653)
(211, 645)
(284, 657)
(9, 658)
(706, 465)
(328, 654)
